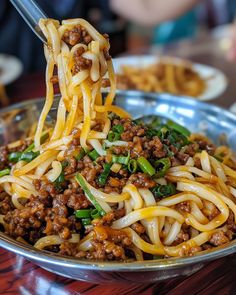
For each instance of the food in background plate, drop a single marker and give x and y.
(163, 76)
(99, 185)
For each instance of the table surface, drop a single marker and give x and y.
(19, 276)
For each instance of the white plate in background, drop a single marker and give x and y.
(216, 81)
(10, 68)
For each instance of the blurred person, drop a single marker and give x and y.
(154, 12)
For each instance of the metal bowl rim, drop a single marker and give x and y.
(148, 265)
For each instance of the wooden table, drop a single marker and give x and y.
(18, 276)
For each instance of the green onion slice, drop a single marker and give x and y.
(95, 214)
(162, 165)
(113, 136)
(79, 178)
(132, 166)
(146, 166)
(102, 178)
(182, 130)
(161, 191)
(83, 213)
(118, 128)
(121, 159)
(93, 155)
(5, 172)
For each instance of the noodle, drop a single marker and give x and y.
(103, 186)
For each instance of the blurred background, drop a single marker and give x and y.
(204, 28)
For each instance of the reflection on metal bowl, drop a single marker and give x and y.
(215, 122)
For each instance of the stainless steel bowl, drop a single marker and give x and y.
(215, 122)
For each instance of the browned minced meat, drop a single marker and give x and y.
(80, 63)
(182, 236)
(183, 207)
(90, 170)
(209, 147)
(71, 165)
(26, 222)
(231, 225)
(156, 147)
(44, 187)
(3, 157)
(5, 203)
(142, 180)
(108, 244)
(114, 184)
(219, 238)
(108, 218)
(138, 227)
(76, 35)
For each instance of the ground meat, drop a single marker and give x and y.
(25, 222)
(81, 64)
(3, 157)
(156, 147)
(231, 225)
(5, 203)
(182, 157)
(219, 238)
(109, 217)
(44, 187)
(71, 166)
(138, 227)
(182, 236)
(142, 180)
(76, 35)
(184, 207)
(76, 200)
(209, 147)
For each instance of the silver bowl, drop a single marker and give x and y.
(216, 123)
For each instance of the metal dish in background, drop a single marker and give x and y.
(216, 123)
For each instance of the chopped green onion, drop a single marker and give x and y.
(28, 156)
(25, 156)
(43, 138)
(86, 221)
(102, 178)
(113, 136)
(64, 164)
(132, 166)
(60, 178)
(14, 157)
(95, 214)
(151, 132)
(162, 166)
(29, 148)
(146, 166)
(118, 128)
(164, 190)
(79, 178)
(121, 159)
(83, 213)
(5, 172)
(180, 129)
(80, 155)
(156, 122)
(93, 155)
